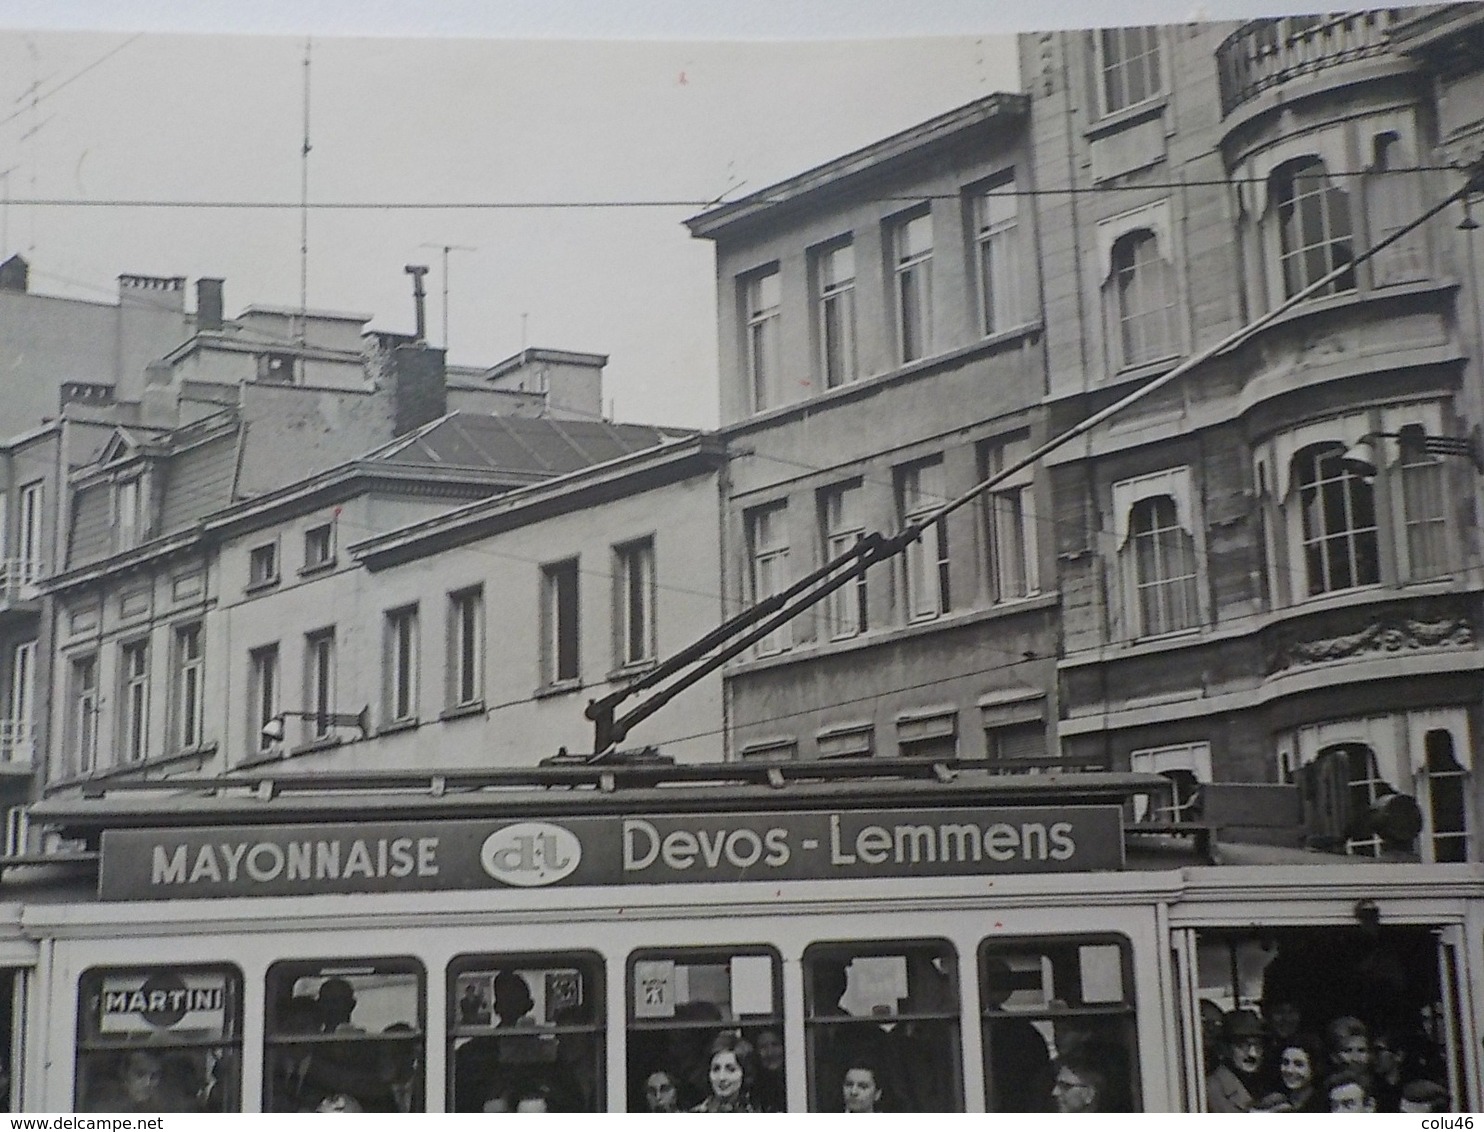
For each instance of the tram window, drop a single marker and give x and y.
(344, 1035)
(1367, 996)
(883, 1017)
(526, 1022)
(1058, 1018)
(159, 1039)
(682, 1002)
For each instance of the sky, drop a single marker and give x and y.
(583, 112)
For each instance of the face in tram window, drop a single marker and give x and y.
(661, 1093)
(1349, 1091)
(861, 1093)
(1078, 1085)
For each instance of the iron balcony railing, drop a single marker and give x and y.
(1266, 53)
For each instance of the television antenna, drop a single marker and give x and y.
(445, 249)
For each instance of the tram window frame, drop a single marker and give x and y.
(748, 1024)
(92, 1041)
(276, 1039)
(822, 1095)
(1058, 1011)
(589, 964)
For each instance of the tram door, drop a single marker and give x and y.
(1268, 1013)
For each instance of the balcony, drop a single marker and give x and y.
(17, 746)
(18, 584)
(1267, 53)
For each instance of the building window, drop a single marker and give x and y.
(928, 735)
(920, 493)
(998, 250)
(1337, 508)
(18, 742)
(319, 681)
(276, 369)
(400, 650)
(560, 628)
(1424, 514)
(912, 261)
(767, 551)
(82, 713)
(1017, 746)
(1161, 554)
(1445, 818)
(128, 513)
(319, 546)
(134, 701)
(1011, 522)
(1315, 230)
(262, 675)
(1129, 66)
(1187, 766)
(262, 565)
(466, 647)
(842, 525)
(634, 603)
(1143, 288)
(764, 361)
(836, 267)
(189, 686)
(29, 562)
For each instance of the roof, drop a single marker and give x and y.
(993, 109)
(521, 444)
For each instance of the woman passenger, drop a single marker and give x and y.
(860, 1090)
(729, 1074)
(1300, 1068)
(662, 1091)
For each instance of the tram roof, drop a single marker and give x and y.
(570, 790)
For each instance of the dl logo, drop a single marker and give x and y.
(530, 854)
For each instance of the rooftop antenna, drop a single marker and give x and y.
(304, 209)
(445, 249)
(523, 317)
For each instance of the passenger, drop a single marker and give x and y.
(397, 1066)
(1423, 1096)
(1081, 1081)
(1283, 1020)
(1389, 1049)
(1349, 1044)
(1019, 1060)
(299, 1015)
(1300, 1061)
(336, 1002)
(1211, 1019)
(338, 1102)
(483, 1064)
(1349, 1090)
(140, 1087)
(730, 1075)
(861, 1090)
(532, 1098)
(1235, 1082)
(769, 1092)
(345, 1066)
(474, 1008)
(662, 1092)
(513, 1001)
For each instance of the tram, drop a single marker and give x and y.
(579, 936)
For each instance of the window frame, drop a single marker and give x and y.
(590, 963)
(1355, 536)
(401, 655)
(324, 968)
(1128, 1006)
(1106, 66)
(1139, 586)
(762, 336)
(997, 242)
(265, 692)
(319, 547)
(30, 533)
(319, 683)
(466, 645)
(82, 712)
(1144, 290)
(766, 530)
(561, 624)
(816, 1022)
(1009, 515)
(835, 303)
(926, 563)
(635, 600)
(233, 1015)
(842, 525)
(263, 568)
(133, 713)
(1335, 245)
(188, 686)
(912, 285)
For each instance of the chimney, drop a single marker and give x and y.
(15, 275)
(417, 271)
(209, 304)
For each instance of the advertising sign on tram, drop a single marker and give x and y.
(607, 850)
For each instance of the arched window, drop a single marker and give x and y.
(1315, 229)
(1164, 567)
(1338, 513)
(1144, 298)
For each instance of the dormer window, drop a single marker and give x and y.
(129, 523)
(276, 369)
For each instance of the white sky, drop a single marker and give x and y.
(465, 102)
